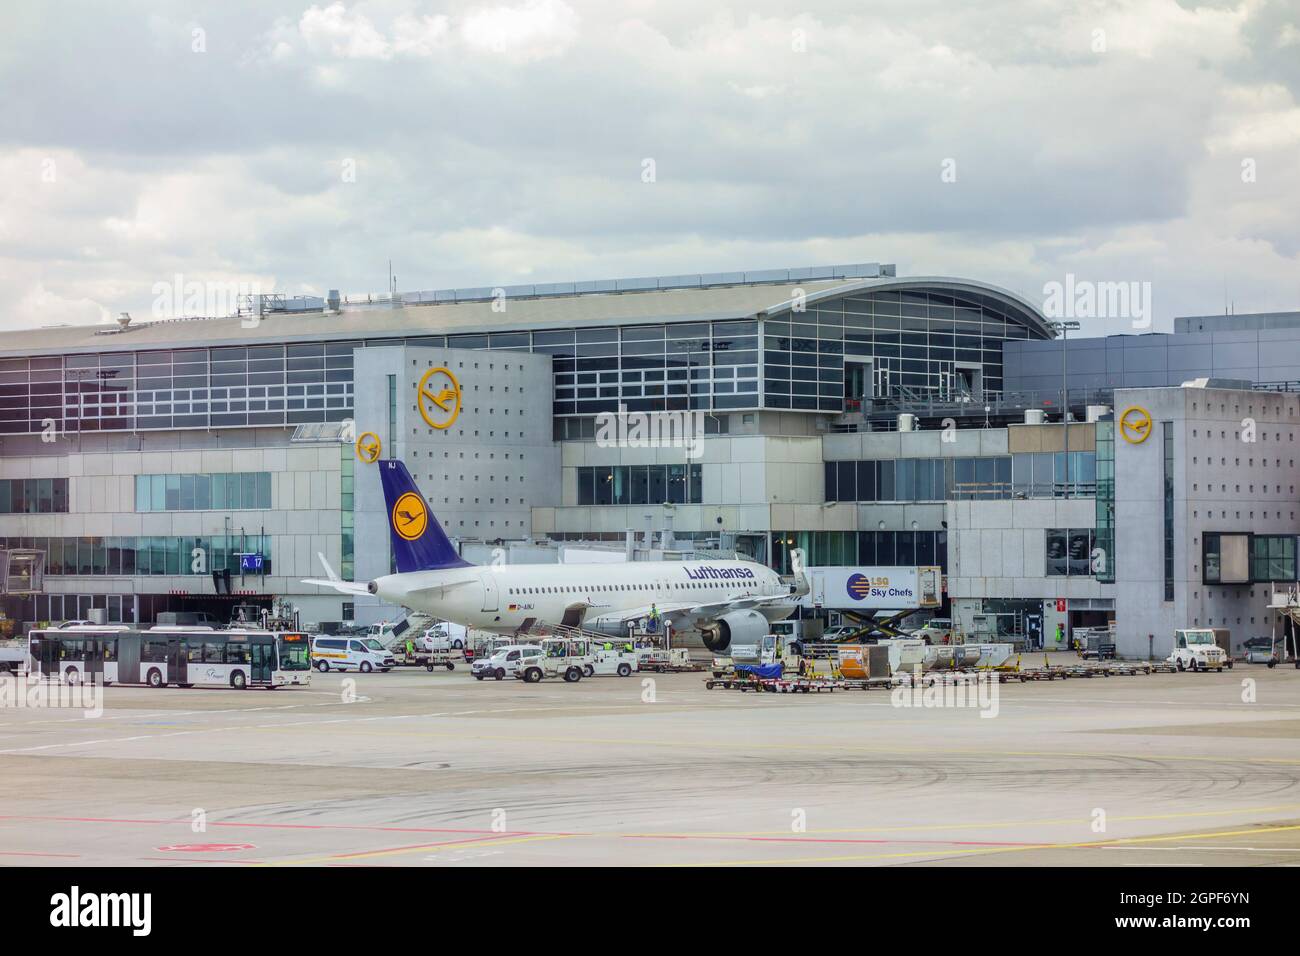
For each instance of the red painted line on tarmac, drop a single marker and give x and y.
(297, 826)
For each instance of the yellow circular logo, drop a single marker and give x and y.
(438, 398)
(369, 447)
(410, 516)
(1135, 424)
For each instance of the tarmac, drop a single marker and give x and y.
(412, 768)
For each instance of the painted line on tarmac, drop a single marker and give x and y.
(1100, 844)
(814, 836)
(424, 848)
(809, 747)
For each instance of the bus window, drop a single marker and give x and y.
(213, 653)
(293, 653)
(153, 652)
(110, 650)
(236, 653)
(193, 653)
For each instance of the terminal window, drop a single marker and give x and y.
(242, 491)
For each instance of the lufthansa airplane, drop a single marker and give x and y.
(724, 601)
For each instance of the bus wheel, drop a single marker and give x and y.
(323, 666)
(624, 670)
(365, 667)
(238, 680)
(154, 678)
(573, 675)
(71, 676)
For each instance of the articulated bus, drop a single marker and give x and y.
(163, 655)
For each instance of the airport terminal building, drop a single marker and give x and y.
(872, 420)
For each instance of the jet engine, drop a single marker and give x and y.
(736, 628)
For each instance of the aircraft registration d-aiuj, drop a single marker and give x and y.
(726, 602)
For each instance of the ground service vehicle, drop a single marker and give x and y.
(558, 657)
(1195, 649)
(13, 656)
(1260, 650)
(503, 662)
(614, 661)
(162, 655)
(364, 654)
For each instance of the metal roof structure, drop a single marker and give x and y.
(515, 308)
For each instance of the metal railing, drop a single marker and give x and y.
(927, 403)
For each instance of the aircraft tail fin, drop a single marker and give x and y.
(419, 543)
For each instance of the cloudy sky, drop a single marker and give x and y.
(300, 146)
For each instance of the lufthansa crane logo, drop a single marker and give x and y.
(369, 448)
(410, 516)
(1135, 424)
(438, 398)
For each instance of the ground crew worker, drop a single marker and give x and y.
(410, 648)
(1060, 632)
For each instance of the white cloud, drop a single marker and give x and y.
(345, 34)
(534, 29)
(496, 141)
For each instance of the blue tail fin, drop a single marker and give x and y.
(419, 543)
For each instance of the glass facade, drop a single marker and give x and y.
(1244, 558)
(243, 491)
(178, 388)
(862, 548)
(828, 358)
(347, 514)
(1069, 551)
(1167, 435)
(961, 479)
(31, 496)
(640, 484)
(842, 352)
(1105, 539)
(94, 556)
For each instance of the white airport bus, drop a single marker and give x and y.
(163, 655)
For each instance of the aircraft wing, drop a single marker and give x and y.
(332, 580)
(677, 612)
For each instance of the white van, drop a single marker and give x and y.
(504, 661)
(443, 636)
(346, 653)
